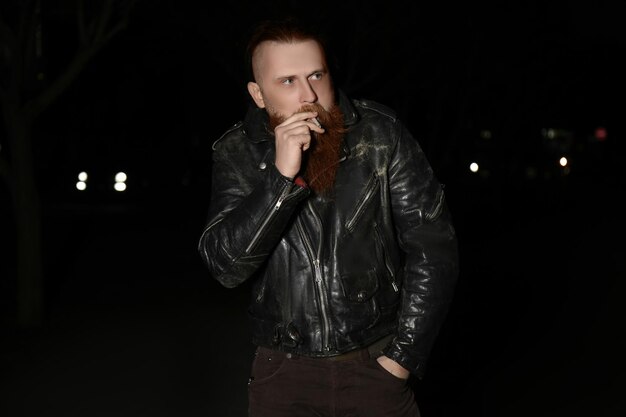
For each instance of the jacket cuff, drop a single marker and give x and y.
(405, 358)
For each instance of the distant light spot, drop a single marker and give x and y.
(120, 181)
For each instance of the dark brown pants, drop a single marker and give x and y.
(285, 385)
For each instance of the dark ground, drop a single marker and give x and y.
(136, 327)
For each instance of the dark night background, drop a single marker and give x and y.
(135, 326)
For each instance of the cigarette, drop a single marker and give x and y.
(317, 122)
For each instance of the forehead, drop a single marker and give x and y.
(275, 59)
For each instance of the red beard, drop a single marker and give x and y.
(321, 160)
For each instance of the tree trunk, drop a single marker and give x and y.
(27, 212)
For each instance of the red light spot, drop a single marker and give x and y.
(600, 134)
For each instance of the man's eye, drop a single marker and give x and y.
(287, 81)
(316, 76)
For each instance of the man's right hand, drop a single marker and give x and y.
(293, 136)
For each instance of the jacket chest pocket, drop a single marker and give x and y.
(367, 197)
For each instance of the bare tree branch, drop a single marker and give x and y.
(25, 12)
(80, 22)
(103, 20)
(84, 54)
(116, 29)
(10, 60)
(38, 104)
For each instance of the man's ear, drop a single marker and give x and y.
(256, 94)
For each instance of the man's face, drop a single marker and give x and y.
(289, 76)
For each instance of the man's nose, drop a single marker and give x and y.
(308, 95)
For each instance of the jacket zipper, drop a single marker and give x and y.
(281, 198)
(318, 277)
(369, 192)
(392, 277)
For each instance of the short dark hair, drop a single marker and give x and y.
(284, 30)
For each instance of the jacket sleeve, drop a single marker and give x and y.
(426, 235)
(248, 212)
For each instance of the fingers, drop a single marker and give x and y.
(292, 138)
(304, 119)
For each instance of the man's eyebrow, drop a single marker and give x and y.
(317, 71)
(322, 70)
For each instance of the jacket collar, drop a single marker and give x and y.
(350, 115)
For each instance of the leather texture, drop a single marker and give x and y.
(333, 274)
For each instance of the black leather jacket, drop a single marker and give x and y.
(331, 275)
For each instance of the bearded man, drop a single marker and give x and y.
(330, 206)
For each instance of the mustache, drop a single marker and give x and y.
(323, 118)
(331, 120)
